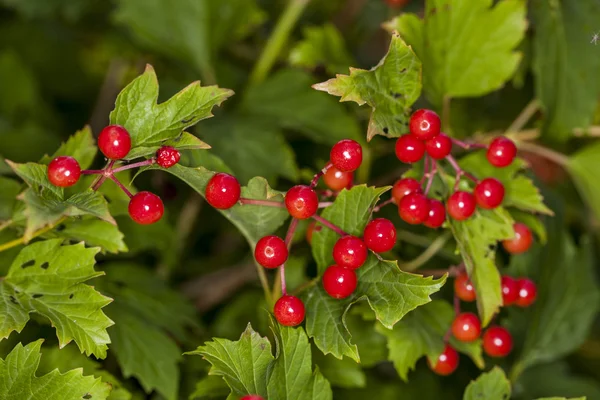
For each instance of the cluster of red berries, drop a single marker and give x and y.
(115, 143)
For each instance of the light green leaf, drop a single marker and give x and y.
(210, 387)
(390, 88)
(343, 373)
(584, 167)
(47, 278)
(491, 385)
(18, 380)
(371, 344)
(454, 66)
(476, 239)
(93, 232)
(36, 177)
(81, 146)
(322, 45)
(186, 141)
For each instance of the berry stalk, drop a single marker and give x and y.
(329, 225)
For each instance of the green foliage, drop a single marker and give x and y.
(583, 167)
(322, 45)
(491, 385)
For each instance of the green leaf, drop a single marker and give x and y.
(584, 167)
(457, 67)
(186, 141)
(18, 380)
(94, 233)
(8, 197)
(476, 239)
(150, 124)
(210, 387)
(47, 278)
(534, 384)
(372, 346)
(343, 373)
(389, 89)
(36, 177)
(322, 45)
(491, 385)
(81, 146)
(565, 64)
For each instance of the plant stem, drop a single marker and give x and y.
(430, 175)
(256, 202)
(319, 174)
(545, 152)
(446, 114)
(325, 204)
(459, 171)
(5, 224)
(103, 177)
(429, 253)
(277, 40)
(524, 116)
(92, 171)
(144, 163)
(329, 225)
(289, 236)
(21, 240)
(119, 184)
(423, 241)
(467, 145)
(383, 204)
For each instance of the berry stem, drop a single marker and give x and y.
(524, 116)
(289, 236)
(468, 145)
(382, 204)
(329, 225)
(256, 202)
(430, 175)
(426, 168)
(319, 174)
(104, 175)
(545, 152)
(459, 172)
(144, 163)
(429, 253)
(325, 204)
(92, 171)
(119, 184)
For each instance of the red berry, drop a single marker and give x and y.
(336, 179)
(64, 171)
(252, 397)
(425, 124)
(114, 142)
(222, 191)
(489, 193)
(403, 187)
(463, 288)
(446, 363)
(167, 156)
(346, 155)
(414, 208)
(301, 201)
(409, 149)
(350, 252)
(527, 292)
(497, 342)
(437, 214)
(396, 3)
(502, 152)
(522, 240)
(339, 282)
(380, 235)
(146, 208)
(510, 290)
(461, 205)
(271, 251)
(289, 310)
(466, 327)
(439, 147)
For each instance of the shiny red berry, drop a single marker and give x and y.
(510, 291)
(461, 205)
(252, 397)
(414, 208)
(403, 187)
(289, 310)
(446, 363)
(466, 327)
(114, 142)
(380, 235)
(346, 155)
(409, 149)
(439, 147)
(167, 156)
(350, 252)
(425, 124)
(501, 152)
(527, 292)
(337, 180)
(301, 202)
(146, 208)
(497, 342)
(463, 288)
(271, 251)
(222, 191)
(64, 171)
(436, 215)
(339, 282)
(522, 240)
(489, 193)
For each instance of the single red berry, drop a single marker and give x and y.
(380, 235)
(461, 205)
(339, 282)
(309, 231)
(346, 155)
(301, 202)
(397, 3)
(146, 208)
(404, 187)
(510, 290)
(409, 149)
(437, 214)
(502, 152)
(489, 193)
(289, 310)
(350, 252)
(271, 251)
(252, 397)
(167, 156)
(414, 208)
(446, 363)
(425, 124)
(522, 240)
(439, 147)
(463, 288)
(466, 327)
(64, 171)
(497, 342)
(222, 191)
(336, 179)
(527, 292)
(114, 142)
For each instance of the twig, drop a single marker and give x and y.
(383, 204)
(289, 236)
(144, 163)
(319, 174)
(431, 174)
(119, 184)
(329, 225)
(428, 254)
(256, 202)
(21, 240)
(545, 152)
(524, 116)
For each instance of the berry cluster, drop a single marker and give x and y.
(115, 143)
